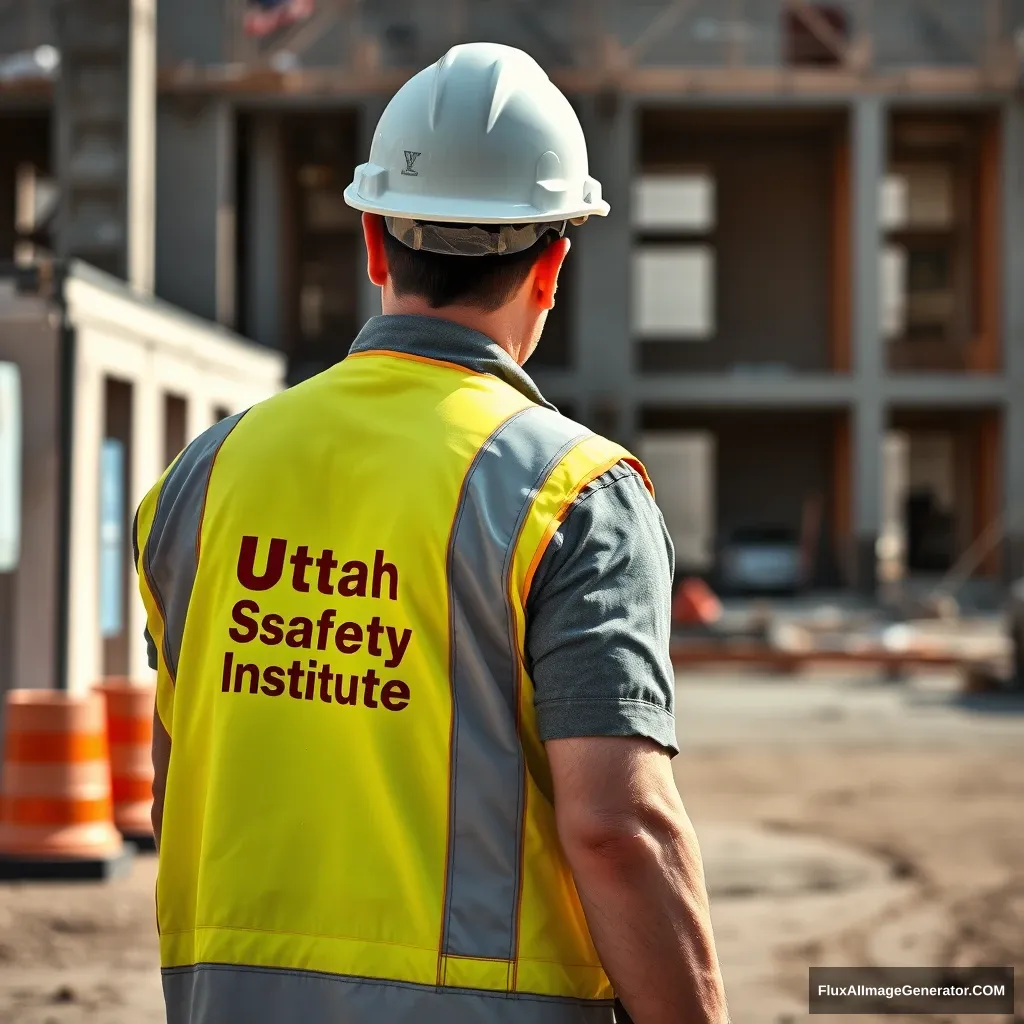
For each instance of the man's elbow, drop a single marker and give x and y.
(619, 841)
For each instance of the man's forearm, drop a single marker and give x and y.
(644, 896)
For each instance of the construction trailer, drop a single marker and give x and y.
(805, 304)
(112, 386)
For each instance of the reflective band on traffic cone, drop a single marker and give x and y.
(55, 790)
(130, 734)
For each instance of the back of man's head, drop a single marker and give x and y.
(483, 282)
(477, 165)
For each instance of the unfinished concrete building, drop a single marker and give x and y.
(806, 311)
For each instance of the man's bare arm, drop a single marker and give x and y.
(637, 866)
(161, 758)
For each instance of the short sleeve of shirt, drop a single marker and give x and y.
(598, 618)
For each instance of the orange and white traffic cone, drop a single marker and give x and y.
(130, 736)
(56, 816)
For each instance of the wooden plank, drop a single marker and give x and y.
(842, 269)
(842, 497)
(712, 653)
(988, 486)
(984, 351)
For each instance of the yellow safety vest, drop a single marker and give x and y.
(358, 807)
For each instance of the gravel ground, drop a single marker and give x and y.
(843, 822)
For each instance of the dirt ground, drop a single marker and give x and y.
(843, 822)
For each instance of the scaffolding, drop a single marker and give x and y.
(645, 47)
(768, 48)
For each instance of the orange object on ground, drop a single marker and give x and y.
(55, 791)
(130, 736)
(695, 604)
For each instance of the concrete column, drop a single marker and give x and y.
(602, 327)
(147, 452)
(868, 157)
(1013, 331)
(264, 261)
(31, 591)
(141, 144)
(85, 648)
(195, 224)
(369, 114)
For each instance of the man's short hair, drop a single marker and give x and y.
(485, 282)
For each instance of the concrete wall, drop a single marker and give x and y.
(772, 249)
(195, 218)
(191, 30)
(29, 338)
(766, 466)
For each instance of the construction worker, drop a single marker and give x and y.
(415, 706)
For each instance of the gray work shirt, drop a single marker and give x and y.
(598, 611)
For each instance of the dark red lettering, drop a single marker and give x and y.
(225, 678)
(323, 624)
(274, 676)
(352, 695)
(301, 633)
(398, 645)
(295, 674)
(252, 671)
(325, 676)
(370, 681)
(373, 631)
(272, 633)
(301, 562)
(326, 563)
(353, 583)
(311, 681)
(246, 570)
(251, 627)
(394, 695)
(381, 569)
(349, 637)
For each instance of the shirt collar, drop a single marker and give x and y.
(434, 338)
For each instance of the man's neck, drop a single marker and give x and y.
(497, 326)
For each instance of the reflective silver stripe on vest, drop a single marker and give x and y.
(487, 780)
(226, 994)
(169, 558)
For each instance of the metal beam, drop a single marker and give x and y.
(740, 391)
(746, 85)
(867, 167)
(817, 24)
(946, 390)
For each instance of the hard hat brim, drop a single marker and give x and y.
(446, 210)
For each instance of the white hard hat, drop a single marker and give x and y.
(482, 137)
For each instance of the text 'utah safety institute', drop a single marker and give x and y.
(309, 678)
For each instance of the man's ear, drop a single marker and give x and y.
(546, 270)
(376, 260)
